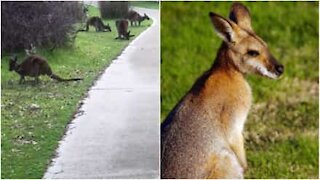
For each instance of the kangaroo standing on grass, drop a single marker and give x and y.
(122, 28)
(135, 17)
(202, 135)
(98, 24)
(34, 66)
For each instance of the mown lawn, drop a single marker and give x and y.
(282, 128)
(145, 4)
(34, 117)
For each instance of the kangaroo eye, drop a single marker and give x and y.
(253, 53)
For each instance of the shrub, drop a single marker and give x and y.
(113, 9)
(43, 24)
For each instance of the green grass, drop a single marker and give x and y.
(282, 128)
(30, 135)
(145, 4)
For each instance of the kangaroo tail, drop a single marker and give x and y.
(81, 30)
(56, 77)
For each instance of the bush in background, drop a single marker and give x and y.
(113, 9)
(43, 24)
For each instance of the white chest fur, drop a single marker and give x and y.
(238, 121)
(240, 113)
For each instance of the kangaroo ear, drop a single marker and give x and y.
(241, 16)
(224, 28)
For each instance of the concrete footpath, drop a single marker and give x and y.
(117, 136)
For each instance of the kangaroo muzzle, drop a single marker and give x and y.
(278, 68)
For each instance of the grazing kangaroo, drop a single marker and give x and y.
(98, 24)
(122, 28)
(34, 66)
(135, 17)
(202, 135)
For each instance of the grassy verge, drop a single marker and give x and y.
(145, 4)
(34, 117)
(282, 128)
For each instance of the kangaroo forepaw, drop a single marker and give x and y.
(244, 166)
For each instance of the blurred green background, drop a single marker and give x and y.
(282, 128)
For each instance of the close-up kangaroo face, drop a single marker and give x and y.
(253, 56)
(249, 53)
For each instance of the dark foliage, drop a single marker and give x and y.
(113, 9)
(43, 24)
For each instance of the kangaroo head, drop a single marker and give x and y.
(13, 63)
(107, 27)
(247, 51)
(145, 16)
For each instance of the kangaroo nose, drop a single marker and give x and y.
(279, 69)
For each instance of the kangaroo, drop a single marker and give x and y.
(135, 17)
(34, 66)
(98, 24)
(122, 28)
(202, 136)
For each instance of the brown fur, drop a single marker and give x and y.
(34, 66)
(122, 28)
(202, 135)
(135, 17)
(97, 22)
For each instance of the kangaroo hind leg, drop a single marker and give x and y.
(224, 165)
(36, 73)
(22, 80)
